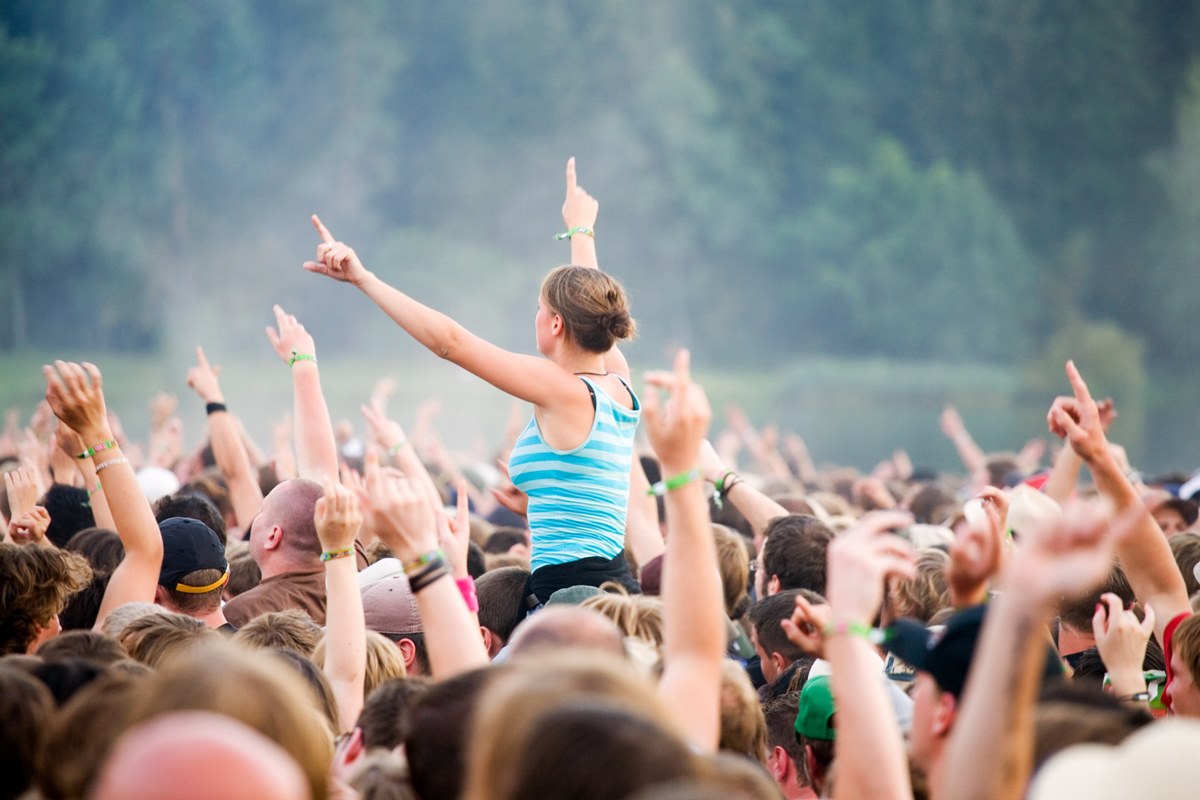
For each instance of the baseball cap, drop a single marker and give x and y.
(190, 545)
(815, 719)
(390, 607)
(946, 652)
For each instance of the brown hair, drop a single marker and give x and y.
(924, 594)
(290, 629)
(244, 574)
(592, 304)
(387, 713)
(1186, 642)
(26, 708)
(91, 645)
(197, 604)
(250, 688)
(154, 638)
(1186, 549)
(743, 727)
(35, 583)
(733, 562)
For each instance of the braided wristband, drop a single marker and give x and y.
(107, 444)
(301, 357)
(573, 231)
(342, 552)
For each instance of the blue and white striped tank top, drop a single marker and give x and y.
(578, 498)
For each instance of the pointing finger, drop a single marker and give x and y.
(571, 174)
(1081, 389)
(326, 236)
(200, 358)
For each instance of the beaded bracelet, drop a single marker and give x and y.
(341, 552)
(107, 444)
(424, 560)
(683, 479)
(301, 357)
(98, 488)
(101, 467)
(578, 229)
(726, 482)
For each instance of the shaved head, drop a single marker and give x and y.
(197, 755)
(567, 626)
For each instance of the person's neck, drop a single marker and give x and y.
(580, 363)
(214, 620)
(275, 567)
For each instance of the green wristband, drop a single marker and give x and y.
(301, 357)
(683, 479)
(107, 444)
(575, 230)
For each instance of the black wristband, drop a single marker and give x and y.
(212, 408)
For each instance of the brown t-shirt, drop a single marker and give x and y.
(301, 590)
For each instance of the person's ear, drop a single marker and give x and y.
(944, 713)
(773, 585)
(273, 538)
(488, 639)
(556, 324)
(780, 661)
(408, 652)
(160, 594)
(777, 761)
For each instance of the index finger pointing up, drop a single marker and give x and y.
(1081, 390)
(200, 357)
(326, 236)
(571, 174)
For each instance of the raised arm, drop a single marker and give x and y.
(228, 450)
(338, 518)
(756, 507)
(536, 380)
(1144, 553)
(1067, 464)
(403, 518)
(76, 395)
(871, 758)
(71, 445)
(316, 450)
(693, 613)
(972, 455)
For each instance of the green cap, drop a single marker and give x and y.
(815, 720)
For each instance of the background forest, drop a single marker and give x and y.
(851, 212)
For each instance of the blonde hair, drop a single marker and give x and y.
(592, 304)
(639, 616)
(290, 629)
(384, 661)
(155, 638)
(733, 562)
(924, 594)
(743, 726)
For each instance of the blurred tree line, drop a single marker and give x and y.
(899, 178)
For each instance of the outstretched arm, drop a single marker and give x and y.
(76, 395)
(316, 450)
(338, 518)
(536, 380)
(1144, 553)
(972, 455)
(756, 507)
(693, 613)
(228, 449)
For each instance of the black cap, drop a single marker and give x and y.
(189, 545)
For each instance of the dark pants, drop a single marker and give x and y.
(584, 572)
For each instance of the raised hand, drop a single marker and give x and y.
(509, 495)
(454, 533)
(579, 208)
(677, 428)
(951, 423)
(1121, 640)
(807, 626)
(23, 489)
(977, 551)
(400, 512)
(75, 393)
(30, 527)
(387, 433)
(291, 338)
(335, 259)
(338, 517)
(861, 559)
(162, 408)
(1078, 419)
(202, 378)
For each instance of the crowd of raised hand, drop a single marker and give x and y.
(632, 605)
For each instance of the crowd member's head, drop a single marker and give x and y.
(156, 638)
(283, 537)
(785, 756)
(525, 741)
(1075, 613)
(501, 594)
(503, 540)
(583, 308)
(1186, 549)
(70, 512)
(83, 607)
(638, 616)
(26, 708)
(194, 569)
(314, 677)
(928, 503)
(384, 661)
(117, 619)
(743, 729)
(381, 776)
(284, 630)
(101, 547)
(733, 561)
(924, 594)
(82, 733)
(793, 556)
(35, 583)
(1184, 688)
(816, 729)
(89, 645)
(439, 732)
(211, 486)
(177, 755)
(192, 505)
(252, 689)
(1069, 713)
(64, 677)
(387, 714)
(244, 574)
(390, 608)
(558, 627)
(775, 650)
(1173, 515)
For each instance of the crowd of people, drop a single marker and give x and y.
(631, 606)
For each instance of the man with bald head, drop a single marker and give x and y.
(566, 626)
(174, 756)
(283, 542)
